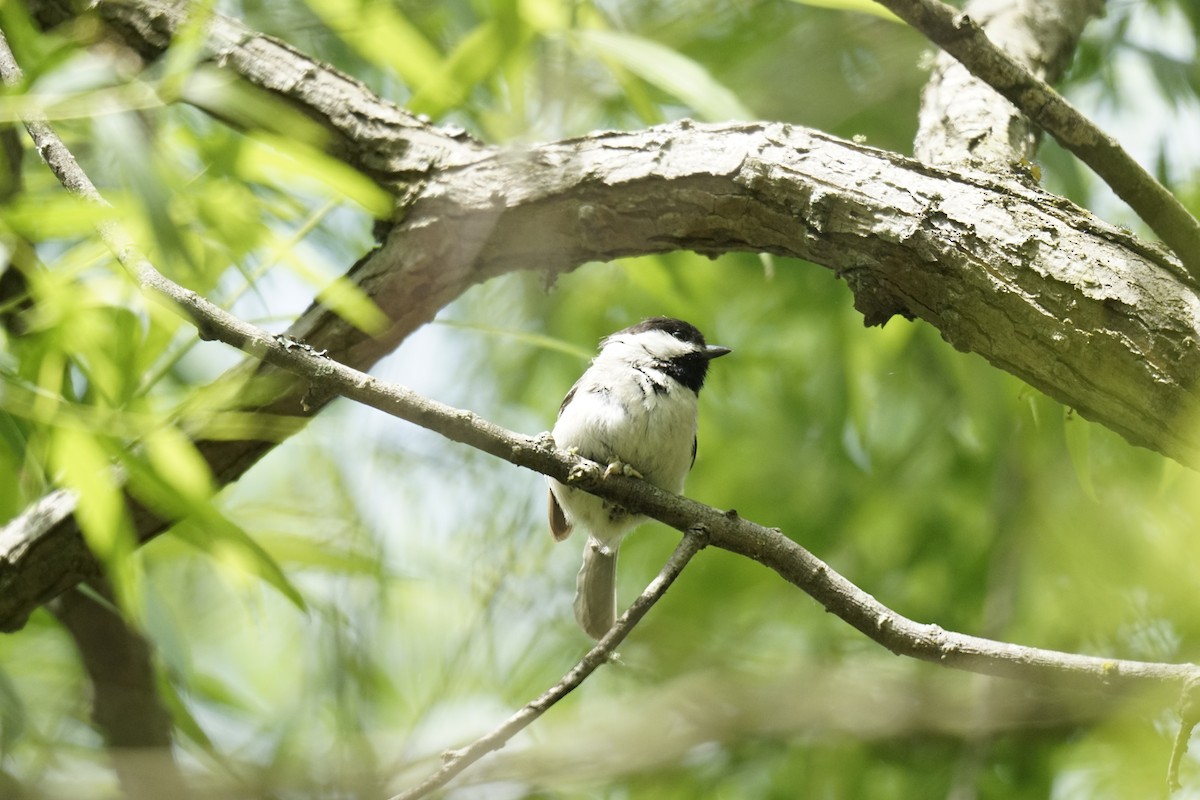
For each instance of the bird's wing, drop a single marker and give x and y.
(560, 527)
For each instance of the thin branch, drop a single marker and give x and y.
(456, 761)
(961, 120)
(958, 35)
(766, 546)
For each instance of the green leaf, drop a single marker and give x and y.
(233, 548)
(326, 556)
(84, 464)
(1078, 434)
(173, 456)
(124, 138)
(250, 108)
(669, 70)
(187, 48)
(862, 6)
(381, 33)
(82, 459)
(343, 297)
(526, 338)
(53, 216)
(477, 55)
(182, 716)
(173, 480)
(267, 158)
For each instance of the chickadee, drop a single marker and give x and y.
(634, 410)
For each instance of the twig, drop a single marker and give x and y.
(456, 761)
(49, 146)
(958, 35)
(1189, 717)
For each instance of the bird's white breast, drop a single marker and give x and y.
(640, 417)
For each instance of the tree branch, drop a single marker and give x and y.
(728, 531)
(126, 707)
(363, 128)
(963, 121)
(959, 36)
(456, 761)
(925, 250)
(1040, 288)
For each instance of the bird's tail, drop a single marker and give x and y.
(596, 589)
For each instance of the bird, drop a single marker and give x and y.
(634, 410)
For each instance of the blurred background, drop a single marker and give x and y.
(420, 598)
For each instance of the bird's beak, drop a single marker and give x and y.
(716, 351)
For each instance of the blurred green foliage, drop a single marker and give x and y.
(370, 594)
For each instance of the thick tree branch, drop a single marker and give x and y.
(963, 121)
(726, 530)
(363, 128)
(932, 245)
(456, 761)
(126, 708)
(959, 36)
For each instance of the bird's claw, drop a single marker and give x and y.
(620, 468)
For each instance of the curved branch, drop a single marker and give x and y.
(1037, 286)
(959, 36)
(767, 546)
(727, 530)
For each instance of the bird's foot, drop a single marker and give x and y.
(581, 472)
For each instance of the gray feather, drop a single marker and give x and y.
(596, 589)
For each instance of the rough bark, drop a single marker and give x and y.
(963, 121)
(959, 35)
